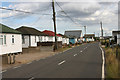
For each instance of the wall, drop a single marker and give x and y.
(32, 38)
(10, 47)
(67, 40)
(59, 39)
(26, 42)
(118, 39)
(33, 42)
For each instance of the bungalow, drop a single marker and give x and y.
(116, 36)
(75, 36)
(65, 40)
(89, 37)
(31, 36)
(51, 37)
(10, 43)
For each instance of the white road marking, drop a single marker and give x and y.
(75, 54)
(16, 67)
(103, 63)
(31, 78)
(80, 51)
(61, 62)
(29, 63)
(3, 71)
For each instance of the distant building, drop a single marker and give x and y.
(75, 36)
(51, 36)
(30, 36)
(116, 36)
(89, 37)
(65, 39)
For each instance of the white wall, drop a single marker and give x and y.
(10, 47)
(118, 39)
(65, 40)
(76, 40)
(26, 42)
(59, 38)
(33, 42)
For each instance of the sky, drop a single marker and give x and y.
(83, 13)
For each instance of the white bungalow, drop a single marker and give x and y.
(31, 36)
(10, 42)
(51, 36)
(65, 39)
(116, 36)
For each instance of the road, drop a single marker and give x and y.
(83, 61)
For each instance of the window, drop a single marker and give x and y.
(23, 40)
(35, 39)
(45, 38)
(1, 39)
(13, 39)
(50, 38)
(4, 39)
(40, 38)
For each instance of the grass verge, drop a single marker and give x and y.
(111, 63)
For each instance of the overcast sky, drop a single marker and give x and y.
(83, 13)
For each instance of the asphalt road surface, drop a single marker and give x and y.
(83, 61)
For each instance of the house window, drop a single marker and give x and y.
(45, 38)
(4, 39)
(13, 41)
(35, 39)
(50, 38)
(23, 40)
(1, 39)
(40, 38)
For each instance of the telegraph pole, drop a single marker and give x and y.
(54, 21)
(85, 32)
(101, 30)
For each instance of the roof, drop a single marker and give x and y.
(73, 33)
(117, 32)
(50, 33)
(89, 35)
(30, 31)
(6, 29)
(64, 36)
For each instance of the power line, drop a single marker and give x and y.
(65, 13)
(22, 11)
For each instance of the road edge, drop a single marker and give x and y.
(103, 63)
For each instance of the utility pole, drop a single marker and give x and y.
(54, 21)
(101, 30)
(85, 32)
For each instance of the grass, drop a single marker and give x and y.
(111, 63)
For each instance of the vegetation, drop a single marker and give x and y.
(111, 63)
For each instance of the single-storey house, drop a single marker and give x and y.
(116, 36)
(65, 39)
(75, 36)
(51, 37)
(10, 42)
(89, 37)
(30, 36)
